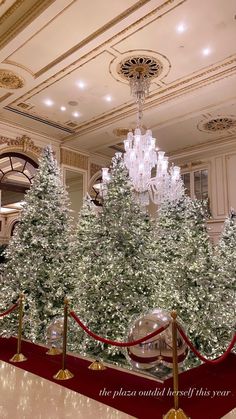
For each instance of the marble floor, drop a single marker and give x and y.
(26, 396)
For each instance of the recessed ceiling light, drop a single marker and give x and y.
(181, 28)
(48, 102)
(206, 51)
(76, 114)
(63, 108)
(108, 98)
(81, 84)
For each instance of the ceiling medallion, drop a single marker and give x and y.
(148, 66)
(224, 123)
(220, 124)
(10, 80)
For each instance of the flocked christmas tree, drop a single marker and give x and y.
(115, 265)
(39, 253)
(224, 285)
(184, 264)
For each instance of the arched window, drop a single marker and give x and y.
(16, 175)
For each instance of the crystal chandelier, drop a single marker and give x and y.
(141, 157)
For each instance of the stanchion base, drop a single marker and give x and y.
(97, 366)
(18, 358)
(63, 375)
(53, 351)
(175, 414)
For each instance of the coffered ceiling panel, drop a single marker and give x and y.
(175, 125)
(77, 22)
(206, 25)
(15, 15)
(88, 91)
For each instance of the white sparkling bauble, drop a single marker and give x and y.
(55, 333)
(157, 350)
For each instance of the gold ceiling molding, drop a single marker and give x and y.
(23, 144)
(2, 98)
(153, 65)
(74, 159)
(10, 80)
(14, 63)
(94, 168)
(79, 62)
(204, 147)
(24, 20)
(120, 132)
(11, 10)
(190, 165)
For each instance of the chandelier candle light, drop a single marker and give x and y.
(141, 155)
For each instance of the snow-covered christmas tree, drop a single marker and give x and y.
(184, 263)
(224, 285)
(115, 266)
(39, 253)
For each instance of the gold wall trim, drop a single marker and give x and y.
(23, 21)
(94, 168)
(74, 159)
(23, 144)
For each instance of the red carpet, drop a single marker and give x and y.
(125, 391)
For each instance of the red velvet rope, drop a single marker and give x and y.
(112, 342)
(12, 308)
(208, 361)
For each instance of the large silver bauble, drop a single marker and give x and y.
(55, 333)
(157, 350)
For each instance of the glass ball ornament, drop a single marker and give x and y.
(55, 333)
(157, 350)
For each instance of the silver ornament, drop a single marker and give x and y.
(55, 333)
(157, 350)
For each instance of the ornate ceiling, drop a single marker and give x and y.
(63, 69)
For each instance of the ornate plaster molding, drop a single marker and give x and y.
(23, 144)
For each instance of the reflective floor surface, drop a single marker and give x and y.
(26, 396)
(230, 415)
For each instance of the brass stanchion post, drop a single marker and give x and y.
(176, 412)
(19, 357)
(63, 373)
(97, 366)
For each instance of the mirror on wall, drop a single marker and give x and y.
(74, 181)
